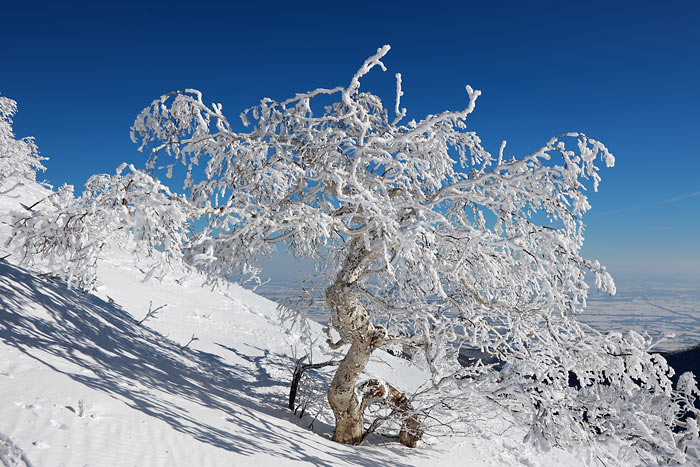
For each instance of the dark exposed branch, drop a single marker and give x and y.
(299, 370)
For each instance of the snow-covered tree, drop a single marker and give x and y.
(436, 243)
(19, 158)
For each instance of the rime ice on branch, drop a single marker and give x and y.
(132, 212)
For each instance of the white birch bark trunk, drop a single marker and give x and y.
(353, 322)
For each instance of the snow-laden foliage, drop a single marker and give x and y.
(600, 390)
(131, 211)
(19, 158)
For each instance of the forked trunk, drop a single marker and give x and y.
(353, 322)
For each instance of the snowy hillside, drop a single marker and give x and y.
(82, 383)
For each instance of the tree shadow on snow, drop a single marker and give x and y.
(145, 370)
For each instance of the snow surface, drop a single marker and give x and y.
(81, 383)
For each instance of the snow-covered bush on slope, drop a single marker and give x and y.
(434, 243)
(19, 158)
(130, 211)
(133, 211)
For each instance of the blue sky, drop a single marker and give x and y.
(624, 73)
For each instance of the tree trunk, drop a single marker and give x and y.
(353, 323)
(347, 409)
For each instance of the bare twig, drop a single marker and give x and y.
(152, 313)
(299, 370)
(192, 339)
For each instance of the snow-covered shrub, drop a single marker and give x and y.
(19, 158)
(131, 211)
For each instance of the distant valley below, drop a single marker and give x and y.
(641, 307)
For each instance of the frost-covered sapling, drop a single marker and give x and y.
(187, 345)
(152, 312)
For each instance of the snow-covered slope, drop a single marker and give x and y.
(82, 383)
